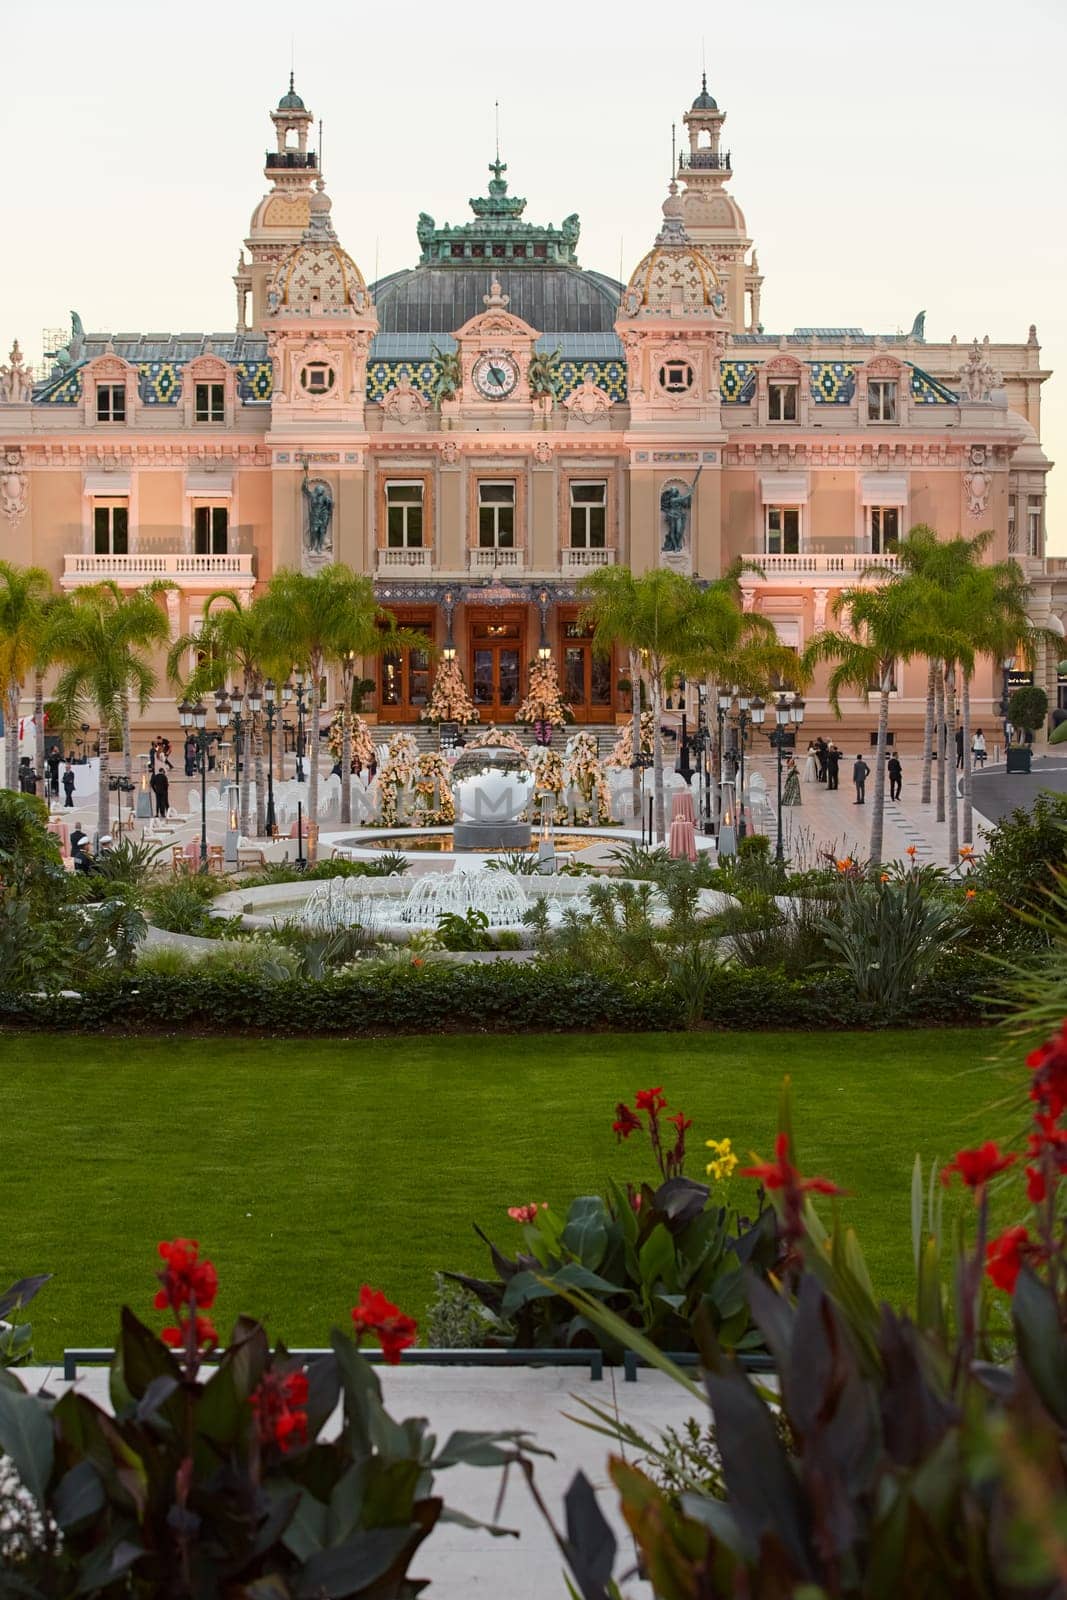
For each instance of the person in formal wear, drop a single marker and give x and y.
(791, 787)
(833, 766)
(160, 786)
(959, 748)
(860, 773)
(811, 765)
(896, 774)
(68, 785)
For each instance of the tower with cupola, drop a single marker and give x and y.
(280, 218)
(712, 217)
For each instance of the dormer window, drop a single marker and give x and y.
(882, 400)
(111, 402)
(317, 377)
(782, 401)
(676, 377)
(210, 405)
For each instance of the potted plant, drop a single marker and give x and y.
(1027, 709)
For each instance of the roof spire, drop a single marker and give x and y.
(292, 75)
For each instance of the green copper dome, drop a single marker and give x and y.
(704, 101)
(291, 101)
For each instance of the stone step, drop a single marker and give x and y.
(426, 736)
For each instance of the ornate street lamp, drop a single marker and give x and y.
(270, 704)
(788, 714)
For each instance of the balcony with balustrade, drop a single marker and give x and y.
(579, 563)
(495, 558)
(404, 561)
(184, 570)
(846, 566)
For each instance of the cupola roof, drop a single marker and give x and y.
(291, 101)
(704, 101)
(675, 276)
(318, 276)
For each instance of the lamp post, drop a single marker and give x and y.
(1007, 667)
(300, 681)
(787, 713)
(254, 705)
(194, 719)
(641, 762)
(747, 710)
(287, 700)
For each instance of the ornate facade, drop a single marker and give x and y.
(481, 430)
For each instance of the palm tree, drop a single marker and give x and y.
(51, 609)
(101, 639)
(24, 592)
(235, 640)
(886, 623)
(669, 622)
(331, 618)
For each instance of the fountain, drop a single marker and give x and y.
(346, 902)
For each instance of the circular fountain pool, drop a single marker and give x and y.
(395, 908)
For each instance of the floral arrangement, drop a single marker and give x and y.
(544, 703)
(360, 735)
(449, 700)
(396, 775)
(219, 1479)
(433, 803)
(502, 737)
(583, 771)
(547, 767)
(623, 752)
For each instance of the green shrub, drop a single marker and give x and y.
(265, 959)
(163, 961)
(1025, 852)
(181, 905)
(1028, 707)
(467, 932)
(456, 1318)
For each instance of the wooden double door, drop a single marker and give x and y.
(497, 657)
(405, 677)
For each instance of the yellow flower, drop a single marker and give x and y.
(725, 1160)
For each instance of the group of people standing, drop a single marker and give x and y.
(823, 765)
(29, 777)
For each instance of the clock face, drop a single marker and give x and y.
(495, 376)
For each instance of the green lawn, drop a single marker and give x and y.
(308, 1167)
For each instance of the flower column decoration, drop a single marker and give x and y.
(544, 702)
(583, 771)
(449, 700)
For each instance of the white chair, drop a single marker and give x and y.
(757, 797)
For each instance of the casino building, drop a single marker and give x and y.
(482, 429)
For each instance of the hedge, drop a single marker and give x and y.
(497, 998)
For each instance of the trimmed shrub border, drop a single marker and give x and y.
(501, 997)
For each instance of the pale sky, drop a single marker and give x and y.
(888, 159)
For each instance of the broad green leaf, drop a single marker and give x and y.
(26, 1436)
(355, 1565)
(79, 1494)
(1035, 1317)
(586, 1233)
(656, 1259)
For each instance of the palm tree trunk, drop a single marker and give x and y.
(928, 729)
(257, 767)
(103, 798)
(878, 797)
(939, 735)
(38, 733)
(244, 753)
(313, 771)
(635, 725)
(11, 734)
(950, 773)
(657, 755)
(965, 787)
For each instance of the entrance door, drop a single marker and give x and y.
(404, 676)
(587, 678)
(496, 656)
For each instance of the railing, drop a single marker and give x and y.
(413, 558)
(849, 564)
(143, 567)
(706, 160)
(576, 562)
(292, 158)
(492, 559)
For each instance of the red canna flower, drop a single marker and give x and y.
(971, 894)
(1005, 1255)
(1048, 1137)
(625, 1122)
(650, 1100)
(375, 1314)
(681, 1121)
(781, 1174)
(186, 1278)
(1048, 1063)
(205, 1332)
(527, 1213)
(911, 849)
(1036, 1188)
(279, 1405)
(976, 1167)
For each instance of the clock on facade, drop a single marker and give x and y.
(495, 376)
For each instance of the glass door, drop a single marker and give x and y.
(587, 676)
(405, 677)
(496, 667)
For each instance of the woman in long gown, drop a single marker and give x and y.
(791, 787)
(811, 766)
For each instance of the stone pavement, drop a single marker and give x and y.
(463, 1564)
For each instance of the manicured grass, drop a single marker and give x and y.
(308, 1167)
